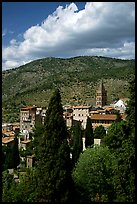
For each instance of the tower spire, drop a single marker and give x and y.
(101, 95)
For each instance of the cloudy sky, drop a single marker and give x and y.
(34, 30)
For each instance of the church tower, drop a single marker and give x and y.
(101, 95)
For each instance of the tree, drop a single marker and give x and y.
(15, 153)
(24, 191)
(121, 140)
(7, 181)
(93, 174)
(89, 137)
(11, 155)
(130, 111)
(53, 156)
(76, 142)
(99, 132)
(117, 133)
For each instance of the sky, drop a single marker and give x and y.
(35, 30)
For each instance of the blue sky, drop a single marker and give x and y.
(33, 30)
(17, 17)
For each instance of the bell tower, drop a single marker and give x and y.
(101, 95)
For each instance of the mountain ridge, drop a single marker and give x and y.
(76, 77)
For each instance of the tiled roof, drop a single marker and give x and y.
(16, 124)
(8, 133)
(109, 108)
(103, 117)
(25, 141)
(28, 108)
(80, 107)
(94, 125)
(6, 140)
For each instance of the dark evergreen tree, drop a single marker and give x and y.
(99, 132)
(89, 137)
(118, 118)
(12, 158)
(77, 145)
(15, 153)
(4, 148)
(53, 156)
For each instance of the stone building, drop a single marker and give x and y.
(101, 95)
(27, 120)
(81, 113)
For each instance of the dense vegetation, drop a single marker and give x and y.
(99, 132)
(77, 78)
(10, 156)
(88, 134)
(53, 156)
(107, 173)
(101, 173)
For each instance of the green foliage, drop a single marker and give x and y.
(99, 132)
(76, 77)
(89, 137)
(24, 191)
(11, 158)
(131, 105)
(7, 183)
(93, 174)
(121, 140)
(16, 156)
(117, 133)
(77, 145)
(53, 156)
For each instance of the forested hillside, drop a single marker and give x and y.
(77, 78)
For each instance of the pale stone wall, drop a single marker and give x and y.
(81, 115)
(83, 140)
(69, 122)
(97, 142)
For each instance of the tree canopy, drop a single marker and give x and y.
(77, 145)
(89, 137)
(99, 132)
(53, 156)
(93, 174)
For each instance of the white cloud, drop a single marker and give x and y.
(127, 51)
(101, 28)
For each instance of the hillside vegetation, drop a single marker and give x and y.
(77, 78)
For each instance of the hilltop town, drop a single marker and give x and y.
(100, 114)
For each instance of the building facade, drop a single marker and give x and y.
(81, 113)
(101, 95)
(27, 118)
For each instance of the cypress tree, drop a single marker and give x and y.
(77, 142)
(15, 152)
(12, 158)
(53, 156)
(89, 137)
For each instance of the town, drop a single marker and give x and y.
(100, 114)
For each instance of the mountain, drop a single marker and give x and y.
(77, 78)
